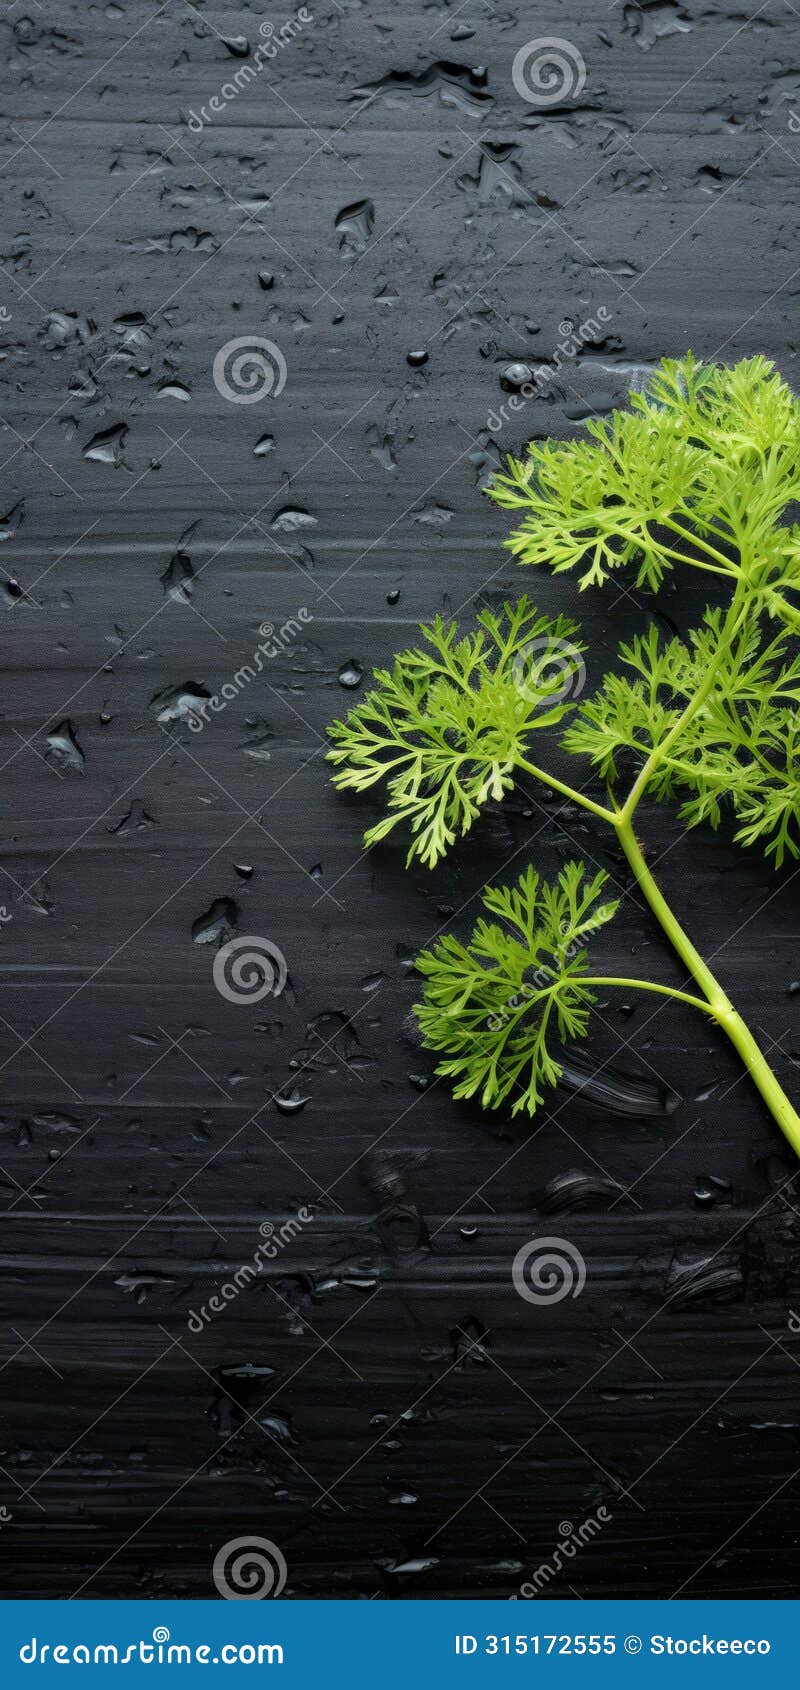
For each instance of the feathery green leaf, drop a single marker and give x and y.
(496, 1006)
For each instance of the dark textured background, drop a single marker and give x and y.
(382, 1404)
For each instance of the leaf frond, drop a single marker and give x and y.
(498, 1008)
(445, 728)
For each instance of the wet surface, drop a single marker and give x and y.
(203, 555)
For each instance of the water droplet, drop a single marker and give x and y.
(135, 820)
(354, 224)
(456, 85)
(13, 521)
(291, 1103)
(710, 1191)
(351, 674)
(174, 390)
(179, 704)
(515, 376)
(63, 749)
(289, 520)
(178, 578)
(238, 45)
(218, 925)
(108, 446)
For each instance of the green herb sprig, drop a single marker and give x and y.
(698, 473)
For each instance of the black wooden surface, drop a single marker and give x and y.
(389, 1402)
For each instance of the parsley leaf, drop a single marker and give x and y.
(698, 471)
(448, 725)
(496, 1006)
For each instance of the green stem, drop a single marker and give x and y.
(678, 938)
(646, 986)
(698, 699)
(719, 1004)
(727, 567)
(770, 1088)
(568, 791)
(788, 611)
(680, 557)
(715, 1001)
